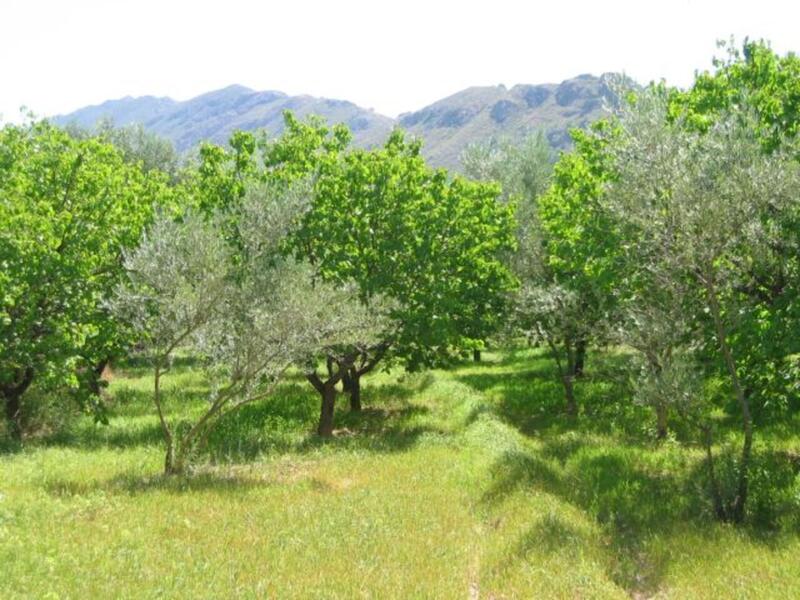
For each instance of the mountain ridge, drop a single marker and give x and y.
(446, 126)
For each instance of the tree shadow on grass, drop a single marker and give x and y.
(389, 422)
(628, 502)
(93, 436)
(518, 470)
(533, 402)
(287, 423)
(140, 366)
(641, 499)
(606, 464)
(549, 534)
(9, 446)
(133, 422)
(528, 394)
(382, 430)
(276, 426)
(133, 402)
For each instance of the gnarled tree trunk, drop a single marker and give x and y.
(97, 375)
(352, 385)
(565, 372)
(569, 394)
(352, 374)
(171, 466)
(568, 378)
(713, 482)
(327, 392)
(327, 406)
(12, 400)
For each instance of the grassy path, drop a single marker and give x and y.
(446, 487)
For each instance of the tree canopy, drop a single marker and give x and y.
(68, 207)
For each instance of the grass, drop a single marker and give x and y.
(465, 483)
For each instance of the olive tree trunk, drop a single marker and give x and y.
(738, 507)
(327, 393)
(327, 406)
(352, 385)
(566, 372)
(661, 420)
(580, 357)
(569, 395)
(713, 481)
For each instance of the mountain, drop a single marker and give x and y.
(446, 126)
(481, 113)
(215, 115)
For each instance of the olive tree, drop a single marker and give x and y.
(657, 320)
(523, 168)
(566, 258)
(566, 251)
(137, 145)
(756, 79)
(247, 313)
(703, 206)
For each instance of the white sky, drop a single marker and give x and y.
(60, 55)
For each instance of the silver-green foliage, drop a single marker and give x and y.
(701, 211)
(247, 313)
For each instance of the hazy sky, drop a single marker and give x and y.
(56, 56)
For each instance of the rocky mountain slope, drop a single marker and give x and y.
(480, 113)
(446, 126)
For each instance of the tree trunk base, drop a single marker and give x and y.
(12, 401)
(174, 464)
(569, 396)
(328, 404)
(661, 422)
(13, 416)
(355, 393)
(580, 359)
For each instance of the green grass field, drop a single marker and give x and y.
(465, 483)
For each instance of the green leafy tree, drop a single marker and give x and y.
(430, 245)
(68, 208)
(754, 77)
(415, 243)
(568, 262)
(523, 169)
